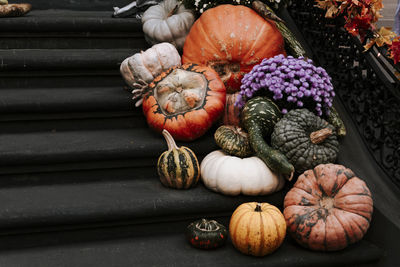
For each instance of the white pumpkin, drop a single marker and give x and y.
(168, 21)
(141, 68)
(232, 175)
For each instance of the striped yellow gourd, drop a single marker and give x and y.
(178, 167)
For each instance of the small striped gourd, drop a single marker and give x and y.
(257, 229)
(259, 117)
(177, 167)
(233, 140)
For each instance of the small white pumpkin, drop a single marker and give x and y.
(141, 68)
(231, 175)
(168, 21)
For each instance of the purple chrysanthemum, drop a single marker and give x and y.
(293, 82)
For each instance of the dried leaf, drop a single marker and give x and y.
(333, 10)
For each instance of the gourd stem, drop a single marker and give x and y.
(173, 11)
(170, 140)
(258, 207)
(319, 136)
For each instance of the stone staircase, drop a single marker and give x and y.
(78, 185)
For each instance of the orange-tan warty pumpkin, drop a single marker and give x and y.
(328, 208)
(232, 39)
(185, 101)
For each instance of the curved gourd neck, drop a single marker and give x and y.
(170, 140)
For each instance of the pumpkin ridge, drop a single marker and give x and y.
(254, 42)
(277, 240)
(237, 221)
(200, 22)
(195, 162)
(262, 241)
(353, 213)
(348, 239)
(171, 167)
(184, 169)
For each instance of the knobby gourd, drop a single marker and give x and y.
(206, 234)
(178, 167)
(185, 100)
(232, 175)
(140, 69)
(257, 229)
(259, 117)
(305, 139)
(328, 208)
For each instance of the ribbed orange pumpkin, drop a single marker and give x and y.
(185, 101)
(328, 208)
(232, 39)
(257, 229)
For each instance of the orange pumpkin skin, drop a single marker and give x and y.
(231, 112)
(328, 208)
(191, 124)
(257, 229)
(232, 39)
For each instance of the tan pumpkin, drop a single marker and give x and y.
(328, 208)
(257, 229)
(142, 68)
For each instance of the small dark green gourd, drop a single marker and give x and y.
(233, 140)
(305, 139)
(206, 234)
(259, 117)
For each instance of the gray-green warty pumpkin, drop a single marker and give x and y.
(305, 139)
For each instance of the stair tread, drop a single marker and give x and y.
(56, 20)
(118, 196)
(81, 146)
(49, 100)
(166, 246)
(60, 59)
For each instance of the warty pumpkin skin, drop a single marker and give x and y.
(305, 139)
(186, 101)
(257, 229)
(232, 39)
(178, 167)
(328, 208)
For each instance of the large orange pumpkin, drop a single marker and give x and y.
(328, 208)
(232, 39)
(185, 101)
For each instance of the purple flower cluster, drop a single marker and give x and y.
(291, 82)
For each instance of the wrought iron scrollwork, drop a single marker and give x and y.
(373, 103)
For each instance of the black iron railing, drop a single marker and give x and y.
(365, 82)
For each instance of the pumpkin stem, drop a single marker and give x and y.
(319, 136)
(173, 11)
(258, 207)
(170, 140)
